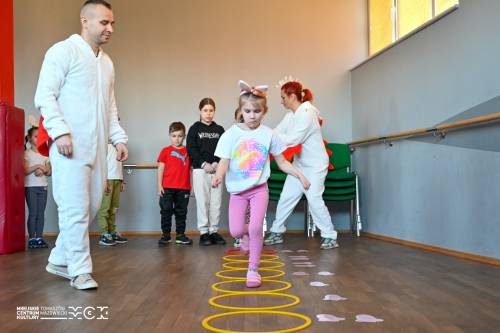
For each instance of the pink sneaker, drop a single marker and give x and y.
(253, 279)
(244, 244)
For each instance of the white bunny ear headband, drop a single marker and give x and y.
(260, 91)
(32, 121)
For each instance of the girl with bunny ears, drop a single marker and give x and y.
(244, 161)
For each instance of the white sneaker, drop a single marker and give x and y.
(58, 270)
(83, 281)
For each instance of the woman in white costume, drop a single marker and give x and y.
(302, 126)
(75, 95)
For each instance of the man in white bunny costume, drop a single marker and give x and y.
(75, 95)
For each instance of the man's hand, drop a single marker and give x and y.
(64, 145)
(121, 152)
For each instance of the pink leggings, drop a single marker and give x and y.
(257, 197)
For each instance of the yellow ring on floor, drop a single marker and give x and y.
(274, 264)
(307, 321)
(221, 275)
(270, 257)
(215, 286)
(295, 301)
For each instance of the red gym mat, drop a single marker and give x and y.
(12, 230)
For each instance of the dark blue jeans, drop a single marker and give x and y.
(36, 198)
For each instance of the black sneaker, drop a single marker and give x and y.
(183, 239)
(164, 240)
(106, 240)
(40, 242)
(215, 238)
(118, 238)
(205, 240)
(32, 243)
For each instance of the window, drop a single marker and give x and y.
(390, 20)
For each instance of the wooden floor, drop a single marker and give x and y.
(152, 289)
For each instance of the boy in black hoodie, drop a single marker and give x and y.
(202, 140)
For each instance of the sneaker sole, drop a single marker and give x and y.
(58, 273)
(183, 243)
(121, 242)
(274, 242)
(85, 286)
(329, 247)
(107, 244)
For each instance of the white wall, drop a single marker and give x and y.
(170, 54)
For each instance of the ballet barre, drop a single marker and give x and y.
(439, 130)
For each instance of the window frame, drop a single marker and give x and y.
(395, 28)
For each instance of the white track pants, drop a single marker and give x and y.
(290, 196)
(78, 187)
(208, 201)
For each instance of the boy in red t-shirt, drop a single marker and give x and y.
(174, 185)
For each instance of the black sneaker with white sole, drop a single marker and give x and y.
(164, 240)
(205, 240)
(42, 243)
(215, 238)
(106, 240)
(118, 238)
(183, 239)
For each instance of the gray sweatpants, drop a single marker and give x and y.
(36, 198)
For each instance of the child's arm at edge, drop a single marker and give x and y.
(221, 172)
(159, 178)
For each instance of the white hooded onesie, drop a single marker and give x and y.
(75, 95)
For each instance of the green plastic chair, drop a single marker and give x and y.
(341, 183)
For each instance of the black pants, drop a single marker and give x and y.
(36, 199)
(174, 202)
